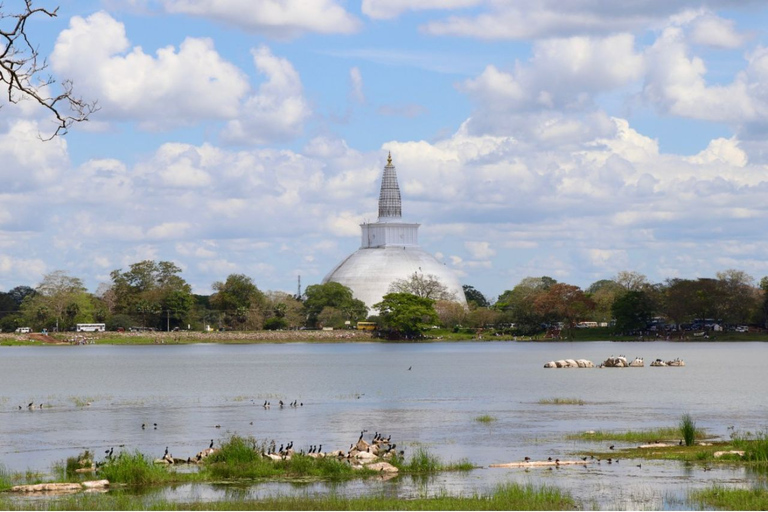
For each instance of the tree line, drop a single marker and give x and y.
(154, 295)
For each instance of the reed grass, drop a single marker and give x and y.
(688, 429)
(728, 498)
(755, 447)
(561, 401)
(485, 418)
(6, 479)
(508, 496)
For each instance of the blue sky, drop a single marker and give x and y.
(574, 140)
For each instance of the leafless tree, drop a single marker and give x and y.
(22, 71)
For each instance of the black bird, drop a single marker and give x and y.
(143, 426)
(30, 405)
(166, 452)
(611, 447)
(527, 459)
(639, 465)
(320, 450)
(549, 459)
(155, 424)
(361, 436)
(409, 368)
(211, 445)
(281, 449)
(584, 458)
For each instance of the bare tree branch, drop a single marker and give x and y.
(21, 72)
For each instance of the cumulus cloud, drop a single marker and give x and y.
(174, 87)
(26, 162)
(388, 9)
(278, 111)
(277, 18)
(508, 19)
(712, 30)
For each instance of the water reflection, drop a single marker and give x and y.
(346, 388)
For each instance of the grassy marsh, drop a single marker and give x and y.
(509, 496)
(485, 418)
(662, 434)
(729, 498)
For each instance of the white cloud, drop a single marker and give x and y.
(712, 30)
(278, 111)
(277, 18)
(26, 162)
(356, 81)
(480, 250)
(388, 9)
(155, 90)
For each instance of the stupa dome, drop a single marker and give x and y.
(390, 251)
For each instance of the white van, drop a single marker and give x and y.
(23, 330)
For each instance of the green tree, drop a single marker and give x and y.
(59, 301)
(240, 302)
(428, 287)
(475, 299)
(604, 293)
(740, 297)
(564, 303)
(517, 305)
(150, 290)
(334, 295)
(633, 310)
(406, 313)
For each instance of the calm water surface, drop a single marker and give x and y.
(345, 388)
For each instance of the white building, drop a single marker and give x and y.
(389, 251)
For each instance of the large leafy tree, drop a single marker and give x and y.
(426, 286)
(60, 300)
(564, 303)
(153, 291)
(741, 299)
(475, 299)
(333, 295)
(517, 304)
(239, 301)
(406, 313)
(633, 310)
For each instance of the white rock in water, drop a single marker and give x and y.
(550, 364)
(384, 467)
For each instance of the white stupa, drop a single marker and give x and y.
(390, 251)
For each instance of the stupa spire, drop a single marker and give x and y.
(390, 205)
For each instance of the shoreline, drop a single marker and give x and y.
(313, 336)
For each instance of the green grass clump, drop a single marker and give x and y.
(509, 496)
(561, 401)
(423, 462)
(241, 458)
(136, 470)
(725, 498)
(688, 429)
(6, 480)
(755, 447)
(485, 418)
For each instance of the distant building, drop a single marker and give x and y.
(390, 251)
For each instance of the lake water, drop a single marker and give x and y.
(346, 388)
